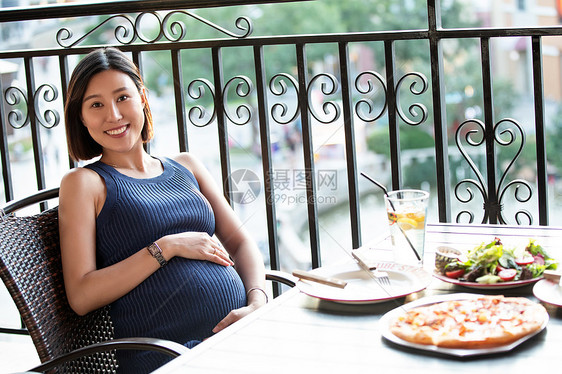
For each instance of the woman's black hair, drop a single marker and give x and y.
(81, 146)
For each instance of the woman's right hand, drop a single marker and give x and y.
(196, 246)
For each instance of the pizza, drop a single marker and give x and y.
(481, 322)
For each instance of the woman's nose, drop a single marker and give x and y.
(114, 113)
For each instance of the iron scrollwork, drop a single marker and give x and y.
(416, 110)
(244, 88)
(364, 85)
(504, 138)
(244, 24)
(129, 29)
(48, 118)
(196, 90)
(15, 97)
(520, 184)
(124, 34)
(278, 86)
(18, 117)
(328, 86)
(200, 117)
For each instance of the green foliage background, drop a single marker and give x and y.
(461, 59)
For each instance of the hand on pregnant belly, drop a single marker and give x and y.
(196, 246)
(234, 316)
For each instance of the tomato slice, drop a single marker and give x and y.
(454, 273)
(527, 260)
(507, 275)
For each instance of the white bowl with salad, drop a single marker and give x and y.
(495, 265)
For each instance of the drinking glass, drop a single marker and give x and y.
(406, 210)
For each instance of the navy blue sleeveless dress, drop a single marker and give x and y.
(181, 301)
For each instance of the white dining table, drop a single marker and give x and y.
(297, 333)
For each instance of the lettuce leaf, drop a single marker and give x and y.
(484, 255)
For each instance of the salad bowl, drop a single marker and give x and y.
(493, 265)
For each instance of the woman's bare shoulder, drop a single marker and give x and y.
(187, 160)
(81, 183)
(80, 176)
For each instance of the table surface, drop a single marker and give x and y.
(296, 333)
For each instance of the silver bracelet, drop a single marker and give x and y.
(258, 289)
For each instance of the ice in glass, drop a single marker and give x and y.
(406, 210)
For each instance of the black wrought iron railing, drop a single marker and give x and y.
(266, 98)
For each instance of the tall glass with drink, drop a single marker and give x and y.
(406, 210)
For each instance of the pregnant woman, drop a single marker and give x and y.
(152, 237)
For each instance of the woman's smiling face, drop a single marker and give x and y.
(112, 111)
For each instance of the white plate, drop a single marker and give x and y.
(386, 320)
(495, 286)
(362, 288)
(548, 292)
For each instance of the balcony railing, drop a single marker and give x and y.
(264, 99)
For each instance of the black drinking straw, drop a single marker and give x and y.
(392, 206)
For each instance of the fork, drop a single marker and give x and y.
(381, 277)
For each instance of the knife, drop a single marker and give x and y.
(328, 281)
(362, 261)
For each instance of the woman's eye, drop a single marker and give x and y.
(96, 105)
(122, 98)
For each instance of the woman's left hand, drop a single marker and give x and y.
(255, 301)
(234, 316)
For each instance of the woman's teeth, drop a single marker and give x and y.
(117, 131)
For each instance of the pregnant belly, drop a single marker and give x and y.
(182, 301)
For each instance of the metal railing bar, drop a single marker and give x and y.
(491, 206)
(5, 157)
(136, 57)
(439, 113)
(177, 76)
(350, 148)
(393, 125)
(308, 154)
(65, 78)
(210, 43)
(434, 15)
(267, 167)
(35, 131)
(307, 38)
(493, 32)
(303, 38)
(222, 127)
(542, 178)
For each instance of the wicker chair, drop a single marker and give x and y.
(31, 269)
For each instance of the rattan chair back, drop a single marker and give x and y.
(30, 267)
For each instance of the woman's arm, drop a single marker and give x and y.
(232, 234)
(82, 195)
